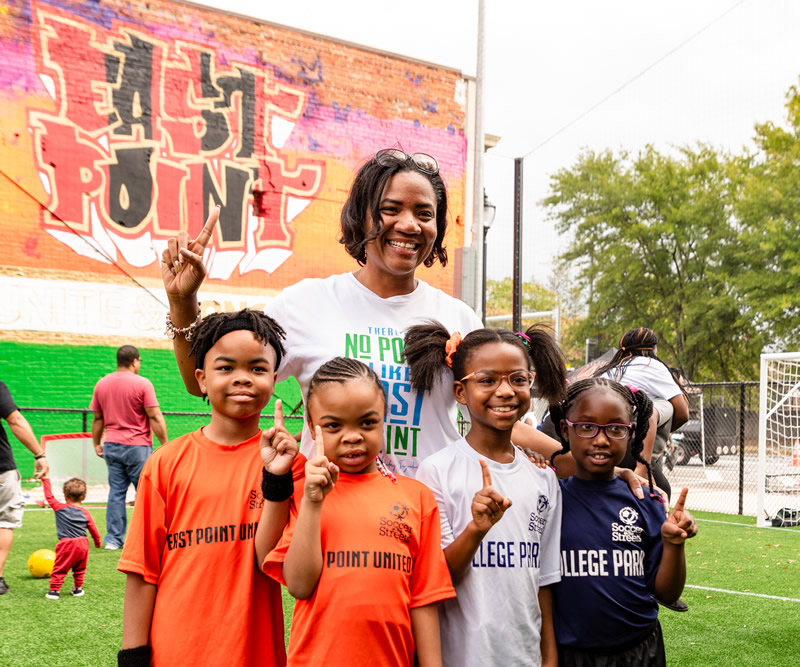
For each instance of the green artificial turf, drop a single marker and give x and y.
(721, 628)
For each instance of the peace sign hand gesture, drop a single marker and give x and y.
(278, 446)
(321, 474)
(680, 525)
(182, 262)
(488, 506)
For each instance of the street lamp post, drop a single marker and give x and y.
(489, 211)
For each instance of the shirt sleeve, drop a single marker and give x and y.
(429, 476)
(49, 497)
(655, 547)
(7, 405)
(149, 399)
(92, 527)
(430, 579)
(550, 570)
(147, 534)
(278, 311)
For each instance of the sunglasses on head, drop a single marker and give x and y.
(427, 164)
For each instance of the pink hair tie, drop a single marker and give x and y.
(632, 387)
(526, 340)
(451, 346)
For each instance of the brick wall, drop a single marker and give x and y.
(122, 122)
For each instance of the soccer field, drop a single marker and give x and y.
(743, 590)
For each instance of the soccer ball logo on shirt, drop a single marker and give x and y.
(543, 503)
(399, 511)
(628, 515)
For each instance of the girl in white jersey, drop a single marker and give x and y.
(501, 570)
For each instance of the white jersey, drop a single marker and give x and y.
(495, 618)
(649, 375)
(338, 316)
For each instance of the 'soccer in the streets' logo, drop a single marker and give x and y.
(393, 525)
(627, 531)
(147, 134)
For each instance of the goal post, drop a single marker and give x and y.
(778, 435)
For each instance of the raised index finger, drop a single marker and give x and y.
(279, 413)
(487, 475)
(208, 229)
(681, 502)
(319, 443)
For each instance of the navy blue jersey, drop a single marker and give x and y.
(610, 552)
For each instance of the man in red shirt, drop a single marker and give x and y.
(125, 406)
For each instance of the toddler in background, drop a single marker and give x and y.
(72, 521)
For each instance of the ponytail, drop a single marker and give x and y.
(424, 350)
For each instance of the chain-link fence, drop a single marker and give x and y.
(715, 453)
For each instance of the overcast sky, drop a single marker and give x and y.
(688, 70)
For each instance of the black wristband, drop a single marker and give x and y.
(277, 488)
(41, 456)
(135, 657)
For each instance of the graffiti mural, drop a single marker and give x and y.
(148, 135)
(123, 123)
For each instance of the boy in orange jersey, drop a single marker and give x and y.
(194, 595)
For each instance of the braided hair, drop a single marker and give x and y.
(343, 370)
(214, 326)
(641, 409)
(639, 342)
(425, 352)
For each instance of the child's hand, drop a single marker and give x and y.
(488, 506)
(680, 525)
(278, 446)
(535, 457)
(321, 474)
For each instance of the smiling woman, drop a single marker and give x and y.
(393, 221)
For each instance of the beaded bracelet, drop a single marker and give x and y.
(187, 332)
(39, 456)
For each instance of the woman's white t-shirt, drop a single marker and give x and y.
(338, 316)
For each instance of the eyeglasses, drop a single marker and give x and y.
(489, 380)
(427, 164)
(590, 429)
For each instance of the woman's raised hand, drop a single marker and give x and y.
(182, 262)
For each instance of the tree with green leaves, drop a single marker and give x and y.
(768, 211)
(655, 243)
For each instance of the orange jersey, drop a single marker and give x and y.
(381, 557)
(197, 508)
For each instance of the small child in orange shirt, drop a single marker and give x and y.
(361, 552)
(72, 550)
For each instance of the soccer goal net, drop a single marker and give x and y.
(778, 435)
(72, 455)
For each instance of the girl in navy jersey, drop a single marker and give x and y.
(503, 557)
(617, 552)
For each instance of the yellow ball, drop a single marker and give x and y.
(40, 563)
